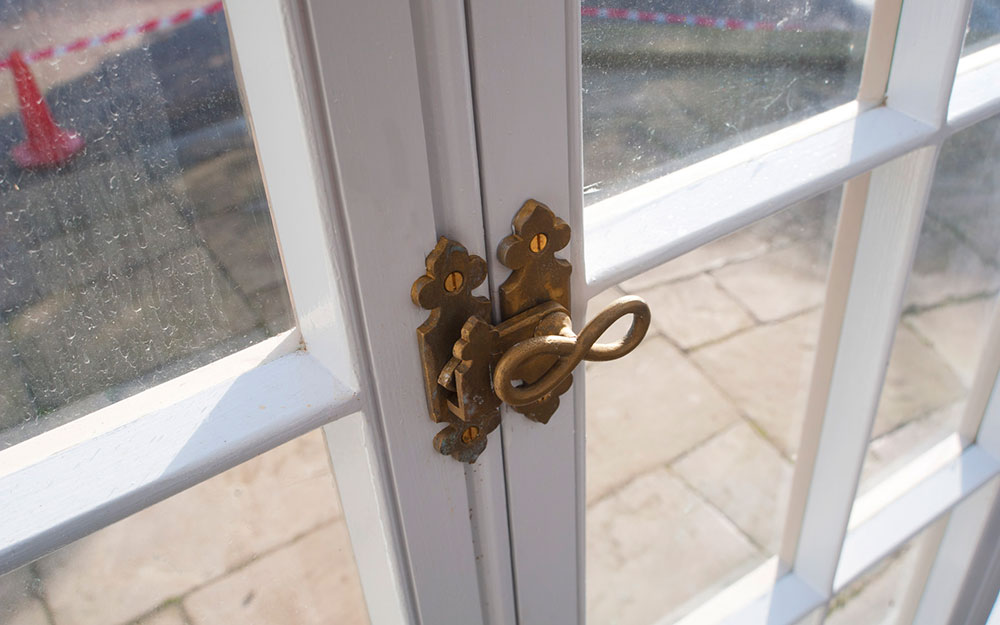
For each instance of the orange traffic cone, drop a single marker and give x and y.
(47, 144)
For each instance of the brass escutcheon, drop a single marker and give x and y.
(471, 366)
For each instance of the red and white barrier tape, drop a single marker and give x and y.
(704, 21)
(153, 25)
(190, 15)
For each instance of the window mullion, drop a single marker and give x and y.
(963, 565)
(925, 57)
(890, 226)
(864, 310)
(878, 51)
(961, 558)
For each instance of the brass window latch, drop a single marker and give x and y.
(472, 366)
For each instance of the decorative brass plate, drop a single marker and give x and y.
(464, 356)
(446, 290)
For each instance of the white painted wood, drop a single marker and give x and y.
(925, 55)
(895, 486)
(978, 605)
(447, 162)
(975, 96)
(112, 472)
(371, 104)
(882, 29)
(949, 552)
(954, 571)
(989, 429)
(272, 38)
(660, 220)
(904, 517)
(134, 408)
(928, 45)
(871, 91)
(290, 154)
(790, 600)
(441, 37)
(838, 283)
(364, 492)
(526, 67)
(741, 593)
(889, 231)
(964, 565)
(926, 548)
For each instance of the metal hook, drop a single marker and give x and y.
(570, 348)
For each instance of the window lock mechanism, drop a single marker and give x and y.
(471, 366)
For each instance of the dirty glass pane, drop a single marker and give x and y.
(262, 543)
(135, 238)
(948, 304)
(984, 26)
(669, 82)
(692, 439)
(877, 596)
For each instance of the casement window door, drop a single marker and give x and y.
(728, 475)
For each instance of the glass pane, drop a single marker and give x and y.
(876, 597)
(984, 26)
(264, 542)
(691, 440)
(948, 304)
(135, 238)
(670, 82)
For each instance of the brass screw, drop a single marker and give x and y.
(453, 281)
(538, 242)
(470, 434)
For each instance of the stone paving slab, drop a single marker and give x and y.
(778, 284)
(874, 599)
(813, 220)
(31, 612)
(169, 615)
(695, 311)
(184, 542)
(745, 477)
(654, 545)
(945, 268)
(917, 382)
(894, 449)
(741, 245)
(619, 328)
(645, 410)
(18, 603)
(310, 581)
(957, 333)
(766, 372)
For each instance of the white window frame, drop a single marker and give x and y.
(354, 214)
(361, 150)
(882, 148)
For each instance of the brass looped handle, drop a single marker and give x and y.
(570, 349)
